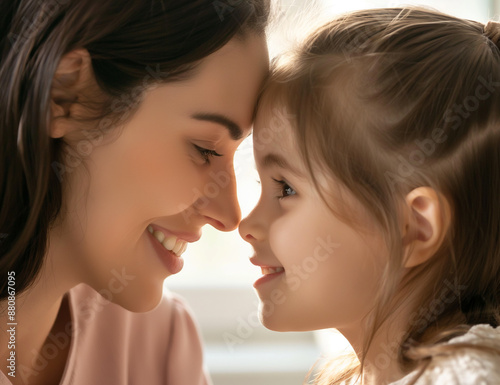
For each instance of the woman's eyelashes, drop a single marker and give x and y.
(284, 189)
(206, 154)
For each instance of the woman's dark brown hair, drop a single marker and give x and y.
(128, 42)
(388, 100)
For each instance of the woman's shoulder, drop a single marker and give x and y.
(163, 345)
(464, 366)
(94, 313)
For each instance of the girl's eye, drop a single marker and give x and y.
(206, 154)
(285, 190)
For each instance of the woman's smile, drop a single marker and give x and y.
(169, 250)
(169, 246)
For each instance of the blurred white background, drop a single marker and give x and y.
(217, 278)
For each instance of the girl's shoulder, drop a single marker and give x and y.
(464, 366)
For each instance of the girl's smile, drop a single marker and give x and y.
(269, 273)
(379, 193)
(307, 255)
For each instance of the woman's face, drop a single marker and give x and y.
(170, 170)
(317, 271)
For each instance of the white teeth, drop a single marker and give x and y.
(159, 235)
(169, 243)
(177, 246)
(272, 270)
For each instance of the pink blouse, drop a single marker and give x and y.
(112, 346)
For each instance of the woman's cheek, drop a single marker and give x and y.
(170, 179)
(176, 190)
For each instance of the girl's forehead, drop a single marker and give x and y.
(273, 126)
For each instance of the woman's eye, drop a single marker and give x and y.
(285, 190)
(206, 154)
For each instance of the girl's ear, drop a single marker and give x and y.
(72, 76)
(427, 221)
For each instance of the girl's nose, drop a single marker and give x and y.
(251, 229)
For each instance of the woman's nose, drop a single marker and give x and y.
(223, 210)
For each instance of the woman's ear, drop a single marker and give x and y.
(72, 76)
(427, 221)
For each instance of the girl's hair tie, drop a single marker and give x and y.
(492, 31)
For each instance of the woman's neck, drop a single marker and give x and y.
(38, 321)
(35, 316)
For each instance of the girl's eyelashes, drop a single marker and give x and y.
(206, 154)
(285, 190)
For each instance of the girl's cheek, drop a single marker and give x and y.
(286, 238)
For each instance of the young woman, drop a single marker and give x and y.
(377, 144)
(119, 121)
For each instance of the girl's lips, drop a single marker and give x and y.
(269, 272)
(267, 278)
(254, 260)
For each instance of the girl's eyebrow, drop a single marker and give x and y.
(276, 160)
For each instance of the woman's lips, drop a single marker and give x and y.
(171, 261)
(185, 236)
(170, 246)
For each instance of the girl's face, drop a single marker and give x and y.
(170, 169)
(317, 271)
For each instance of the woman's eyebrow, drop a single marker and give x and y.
(235, 131)
(276, 160)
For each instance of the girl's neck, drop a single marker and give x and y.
(381, 365)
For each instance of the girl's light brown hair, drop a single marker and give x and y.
(388, 100)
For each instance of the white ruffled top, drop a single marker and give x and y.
(464, 366)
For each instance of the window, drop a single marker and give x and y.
(217, 277)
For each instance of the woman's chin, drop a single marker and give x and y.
(139, 301)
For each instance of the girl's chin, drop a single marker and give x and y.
(286, 323)
(277, 325)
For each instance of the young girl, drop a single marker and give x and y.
(117, 119)
(377, 144)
